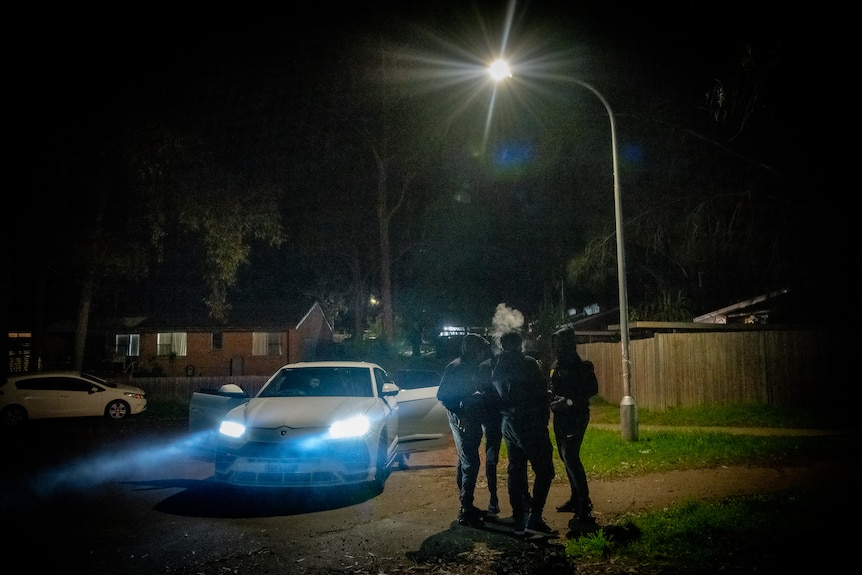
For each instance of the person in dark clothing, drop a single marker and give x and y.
(524, 405)
(492, 423)
(573, 383)
(465, 396)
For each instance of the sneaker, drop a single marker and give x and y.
(493, 511)
(585, 515)
(471, 517)
(538, 526)
(568, 507)
(520, 527)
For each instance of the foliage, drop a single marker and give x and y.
(748, 533)
(592, 546)
(194, 200)
(664, 306)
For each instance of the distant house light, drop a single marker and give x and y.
(450, 331)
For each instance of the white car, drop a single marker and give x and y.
(51, 394)
(317, 424)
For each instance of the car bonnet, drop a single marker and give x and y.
(301, 412)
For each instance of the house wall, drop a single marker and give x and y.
(236, 350)
(310, 340)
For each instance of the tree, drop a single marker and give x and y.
(714, 190)
(171, 193)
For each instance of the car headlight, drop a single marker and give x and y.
(231, 428)
(356, 426)
(134, 395)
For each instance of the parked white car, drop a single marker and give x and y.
(53, 394)
(317, 424)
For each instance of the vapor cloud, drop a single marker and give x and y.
(506, 319)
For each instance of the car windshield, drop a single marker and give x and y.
(98, 380)
(320, 382)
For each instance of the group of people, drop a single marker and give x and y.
(508, 397)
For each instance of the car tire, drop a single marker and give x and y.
(117, 410)
(13, 416)
(383, 469)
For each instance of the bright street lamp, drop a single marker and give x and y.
(500, 70)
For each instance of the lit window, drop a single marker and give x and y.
(172, 343)
(266, 343)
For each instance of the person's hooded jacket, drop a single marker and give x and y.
(461, 390)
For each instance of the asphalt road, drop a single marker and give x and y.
(135, 498)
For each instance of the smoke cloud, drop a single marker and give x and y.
(506, 319)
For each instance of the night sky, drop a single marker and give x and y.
(79, 76)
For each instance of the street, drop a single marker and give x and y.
(139, 501)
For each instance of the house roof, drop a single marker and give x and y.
(270, 315)
(745, 311)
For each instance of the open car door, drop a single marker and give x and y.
(423, 421)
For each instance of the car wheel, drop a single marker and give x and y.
(381, 474)
(117, 410)
(13, 416)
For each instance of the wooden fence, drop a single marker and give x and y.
(779, 368)
(182, 388)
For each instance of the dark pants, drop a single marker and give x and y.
(467, 436)
(528, 442)
(569, 429)
(493, 429)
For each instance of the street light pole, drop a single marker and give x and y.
(500, 70)
(628, 409)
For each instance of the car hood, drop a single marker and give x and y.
(300, 412)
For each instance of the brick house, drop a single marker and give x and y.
(265, 338)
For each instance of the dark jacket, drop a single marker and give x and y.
(462, 389)
(573, 379)
(522, 388)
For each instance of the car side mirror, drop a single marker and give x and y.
(232, 390)
(389, 389)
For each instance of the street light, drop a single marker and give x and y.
(499, 71)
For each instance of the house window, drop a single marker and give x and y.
(19, 352)
(217, 340)
(172, 343)
(266, 343)
(127, 345)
